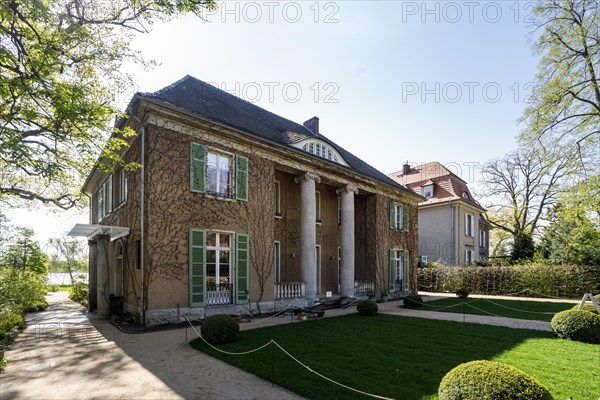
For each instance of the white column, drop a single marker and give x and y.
(308, 233)
(347, 239)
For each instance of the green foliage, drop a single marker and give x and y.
(534, 280)
(12, 318)
(367, 308)
(483, 379)
(79, 292)
(462, 293)
(220, 328)
(52, 288)
(579, 325)
(59, 89)
(25, 254)
(24, 288)
(523, 247)
(413, 301)
(587, 307)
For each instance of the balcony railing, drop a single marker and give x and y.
(362, 287)
(290, 290)
(219, 294)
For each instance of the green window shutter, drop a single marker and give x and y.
(197, 284)
(392, 215)
(406, 215)
(242, 270)
(197, 167)
(391, 272)
(241, 178)
(406, 272)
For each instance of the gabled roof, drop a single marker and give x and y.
(202, 100)
(446, 185)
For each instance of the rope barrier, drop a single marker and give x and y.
(290, 356)
(274, 315)
(520, 310)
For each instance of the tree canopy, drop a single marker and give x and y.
(60, 64)
(25, 254)
(566, 96)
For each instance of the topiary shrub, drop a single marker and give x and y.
(579, 325)
(413, 301)
(219, 328)
(587, 307)
(367, 307)
(490, 380)
(462, 293)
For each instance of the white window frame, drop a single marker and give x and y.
(427, 191)
(398, 216)
(230, 193)
(469, 225)
(424, 259)
(468, 256)
(318, 259)
(482, 238)
(398, 260)
(277, 199)
(318, 206)
(277, 260)
(218, 249)
(122, 186)
(105, 194)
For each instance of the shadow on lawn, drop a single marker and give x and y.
(397, 357)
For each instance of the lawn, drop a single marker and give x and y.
(537, 310)
(405, 358)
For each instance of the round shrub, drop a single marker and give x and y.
(579, 325)
(413, 301)
(587, 307)
(462, 293)
(220, 328)
(490, 380)
(367, 307)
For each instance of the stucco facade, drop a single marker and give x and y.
(267, 224)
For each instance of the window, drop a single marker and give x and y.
(277, 264)
(424, 259)
(399, 216)
(218, 259)
(105, 198)
(468, 256)
(321, 149)
(218, 173)
(122, 186)
(318, 206)
(469, 229)
(277, 199)
(318, 256)
(482, 238)
(427, 191)
(465, 195)
(398, 270)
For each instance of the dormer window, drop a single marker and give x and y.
(465, 195)
(321, 149)
(427, 191)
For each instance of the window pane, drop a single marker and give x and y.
(211, 239)
(211, 172)
(224, 164)
(224, 240)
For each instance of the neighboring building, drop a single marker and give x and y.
(452, 226)
(235, 205)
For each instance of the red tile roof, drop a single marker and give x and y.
(446, 185)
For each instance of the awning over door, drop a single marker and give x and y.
(89, 231)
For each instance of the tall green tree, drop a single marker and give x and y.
(71, 253)
(520, 188)
(566, 98)
(59, 72)
(25, 254)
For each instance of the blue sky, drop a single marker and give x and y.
(391, 81)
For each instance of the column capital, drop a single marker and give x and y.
(348, 188)
(309, 176)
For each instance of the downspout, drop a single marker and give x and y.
(142, 197)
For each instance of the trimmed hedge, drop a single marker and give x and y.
(587, 307)
(490, 380)
(413, 301)
(367, 307)
(535, 280)
(220, 328)
(579, 325)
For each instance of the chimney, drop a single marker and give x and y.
(406, 168)
(312, 124)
